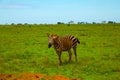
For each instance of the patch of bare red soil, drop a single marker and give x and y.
(30, 76)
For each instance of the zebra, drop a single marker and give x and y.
(64, 43)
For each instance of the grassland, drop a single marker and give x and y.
(24, 48)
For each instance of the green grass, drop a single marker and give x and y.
(24, 48)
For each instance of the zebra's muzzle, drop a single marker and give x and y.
(49, 45)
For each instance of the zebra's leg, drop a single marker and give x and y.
(70, 54)
(74, 48)
(59, 56)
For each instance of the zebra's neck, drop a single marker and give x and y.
(57, 44)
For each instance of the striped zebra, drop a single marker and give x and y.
(63, 44)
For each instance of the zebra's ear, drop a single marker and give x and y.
(48, 35)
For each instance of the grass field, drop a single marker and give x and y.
(24, 48)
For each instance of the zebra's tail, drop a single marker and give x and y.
(78, 41)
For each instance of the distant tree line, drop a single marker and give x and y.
(72, 22)
(103, 22)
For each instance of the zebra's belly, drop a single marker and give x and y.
(66, 49)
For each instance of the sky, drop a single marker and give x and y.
(53, 11)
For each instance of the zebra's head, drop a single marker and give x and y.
(52, 39)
